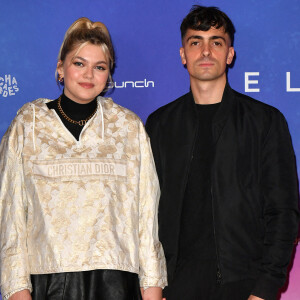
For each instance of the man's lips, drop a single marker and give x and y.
(206, 64)
(86, 85)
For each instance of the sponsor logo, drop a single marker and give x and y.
(8, 86)
(133, 84)
(252, 83)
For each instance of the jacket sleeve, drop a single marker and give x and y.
(152, 128)
(14, 273)
(281, 215)
(151, 255)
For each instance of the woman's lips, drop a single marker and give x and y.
(86, 85)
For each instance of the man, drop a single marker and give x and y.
(228, 213)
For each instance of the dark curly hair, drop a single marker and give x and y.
(203, 18)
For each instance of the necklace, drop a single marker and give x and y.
(81, 122)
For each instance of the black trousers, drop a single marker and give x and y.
(86, 285)
(196, 280)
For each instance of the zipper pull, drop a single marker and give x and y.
(219, 276)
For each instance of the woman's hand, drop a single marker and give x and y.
(152, 293)
(22, 295)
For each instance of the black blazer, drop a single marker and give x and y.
(254, 185)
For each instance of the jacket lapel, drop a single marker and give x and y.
(223, 112)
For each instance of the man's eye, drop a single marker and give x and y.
(217, 43)
(194, 43)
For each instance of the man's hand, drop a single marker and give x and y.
(22, 295)
(152, 293)
(254, 298)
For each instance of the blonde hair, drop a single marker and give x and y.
(82, 32)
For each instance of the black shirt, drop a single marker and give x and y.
(196, 235)
(74, 111)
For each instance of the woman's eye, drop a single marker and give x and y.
(100, 68)
(78, 63)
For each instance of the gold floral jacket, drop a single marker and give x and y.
(68, 205)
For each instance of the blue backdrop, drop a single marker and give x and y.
(148, 70)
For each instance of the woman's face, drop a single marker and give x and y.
(85, 73)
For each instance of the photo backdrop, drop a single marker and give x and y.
(148, 70)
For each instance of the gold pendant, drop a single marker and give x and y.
(81, 122)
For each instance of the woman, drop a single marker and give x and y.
(79, 191)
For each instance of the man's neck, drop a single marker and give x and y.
(208, 92)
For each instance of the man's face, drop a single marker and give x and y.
(206, 53)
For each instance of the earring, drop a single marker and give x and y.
(60, 78)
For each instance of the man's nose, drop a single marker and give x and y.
(206, 50)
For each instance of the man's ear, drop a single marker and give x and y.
(182, 55)
(230, 55)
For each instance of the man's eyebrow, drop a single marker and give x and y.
(199, 37)
(216, 37)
